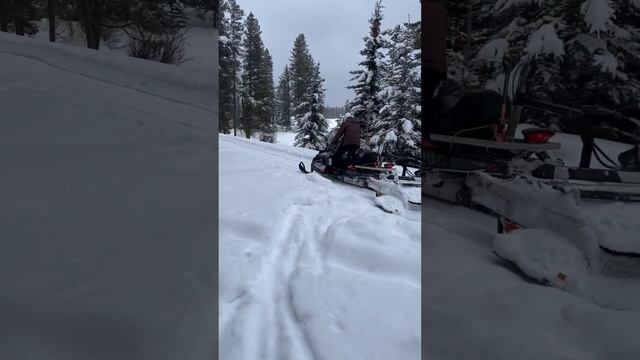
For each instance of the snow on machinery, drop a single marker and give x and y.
(477, 134)
(381, 171)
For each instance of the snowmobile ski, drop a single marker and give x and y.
(303, 168)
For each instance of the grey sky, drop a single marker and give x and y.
(333, 28)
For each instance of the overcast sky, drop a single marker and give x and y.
(333, 28)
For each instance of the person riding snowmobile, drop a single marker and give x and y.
(347, 140)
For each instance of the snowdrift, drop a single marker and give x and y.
(193, 85)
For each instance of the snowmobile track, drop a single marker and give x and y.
(271, 327)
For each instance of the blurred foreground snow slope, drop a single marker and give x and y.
(107, 168)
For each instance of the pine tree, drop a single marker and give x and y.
(301, 67)
(230, 64)
(585, 49)
(20, 14)
(257, 82)
(399, 122)
(226, 74)
(366, 104)
(311, 129)
(283, 100)
(469, 29)
(266, 97)
(156, 30)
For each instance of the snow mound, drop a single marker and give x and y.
(560, 244)
(528, 202)
(390, 204)
(616, 224)
(552, 259)
(543, 255)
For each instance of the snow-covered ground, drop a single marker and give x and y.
(106, 165)
(311, 269)
(478, 307)
(285, 138)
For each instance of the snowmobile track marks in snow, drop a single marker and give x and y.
(271, 327)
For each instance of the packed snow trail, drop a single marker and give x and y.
(107, 198)
(311, 269)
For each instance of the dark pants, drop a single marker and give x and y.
(350, 150)
(431, 80)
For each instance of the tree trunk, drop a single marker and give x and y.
(52, 20)
(93, 36)
(19, 26)
(235, 107)
(91, 16)
(216, 14)
(4, 15)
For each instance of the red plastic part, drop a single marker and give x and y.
(538, 136)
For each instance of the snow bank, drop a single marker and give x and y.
(107, 206)
(285, 138)
(192, 86)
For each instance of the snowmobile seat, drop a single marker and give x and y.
(477, 108)
(367, 158)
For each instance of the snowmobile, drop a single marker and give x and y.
(477, 134)
(475, 160)
(370, 169)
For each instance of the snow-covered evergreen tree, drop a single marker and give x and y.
(366, 104)
(234, 36)
(307, 97)
(226, 74)
(587, 49)
(311, 129)
(283, 99)
(301, 70)
(257, 81)
(399, 123)
(266, 97)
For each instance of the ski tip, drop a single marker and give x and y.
(302, 167)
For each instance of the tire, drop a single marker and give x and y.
(463, 197)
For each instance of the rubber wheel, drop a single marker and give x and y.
(463, 197)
